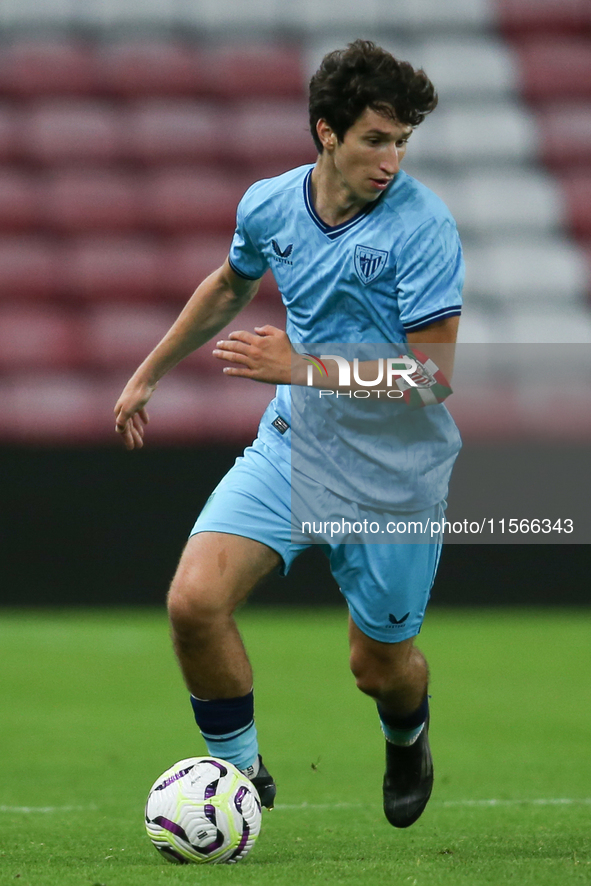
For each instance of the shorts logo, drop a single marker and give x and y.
(282, 255)
(397, 622)
(369, 263)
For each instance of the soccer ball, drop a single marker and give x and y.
(203, 810)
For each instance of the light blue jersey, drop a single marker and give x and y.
(394, 268)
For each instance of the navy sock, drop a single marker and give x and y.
(227, 725)
(404, 730)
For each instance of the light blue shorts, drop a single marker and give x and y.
(386, 586)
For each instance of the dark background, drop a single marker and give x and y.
(86, 526)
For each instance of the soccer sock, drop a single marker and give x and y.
(404, 730)
(227, 725)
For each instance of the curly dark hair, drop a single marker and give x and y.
(366, 76)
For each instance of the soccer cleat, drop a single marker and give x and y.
(408, 780)
(266, 787)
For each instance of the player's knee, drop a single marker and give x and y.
(378, 675)
(194, 604)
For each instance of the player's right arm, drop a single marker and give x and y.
(215, 302)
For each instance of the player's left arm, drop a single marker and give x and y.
(438, 341)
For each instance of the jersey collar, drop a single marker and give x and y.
(334, 231)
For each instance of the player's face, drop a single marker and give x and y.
(370, 154)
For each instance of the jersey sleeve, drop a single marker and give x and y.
(245, 258)
(430, 275)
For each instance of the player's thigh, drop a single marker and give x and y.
(217, 571)
(376, 655)
(387, 587)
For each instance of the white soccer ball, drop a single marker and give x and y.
(203, 810)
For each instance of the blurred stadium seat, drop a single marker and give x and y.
(555, 69)
(469, 66)
(54, 407)
(501, 202)
(90, 200)
(540, 273)
(207, 410)
(172, 131)
(553, 325)
(577, 190)
(29, 268)
(20, 201)
(522, 18)
(257, 70)
(472, 133)
(109, 268)
(150, 68)
(270, 132)
(186, 199)
(34, 335)
(118, 335)
(183, 262)
(9, 137)
(45, 67)
(59, 131)
(566, 134)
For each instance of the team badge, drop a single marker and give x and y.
(369, 263)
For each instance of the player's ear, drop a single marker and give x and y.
(326, 135)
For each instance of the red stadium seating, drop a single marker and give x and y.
(207, 411)
(577, 191)
(120, 334)
(29, 268)
(31, 68)
(239, 71)
(38, 336)
(151, 68)
(64, 132)
(91, 200)
(566, 134)
(184, 262)
(273, 133)
(527, 17)
(122, 167)
(555, 69)
(57, 407)
(9, 135)
(20, 201)
(192, 199)
(173, 131)
(110, 267)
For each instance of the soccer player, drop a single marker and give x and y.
(362, 253)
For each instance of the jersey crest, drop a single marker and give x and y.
(369, 262)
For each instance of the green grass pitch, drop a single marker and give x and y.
(94, 710)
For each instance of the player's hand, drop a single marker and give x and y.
(130, 413)
(264, 355)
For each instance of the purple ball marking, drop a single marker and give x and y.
(243, 841)
(174, 856)
(180, 774)
(239, 797)
(171, 826)
(212, 847)
(211, 789)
